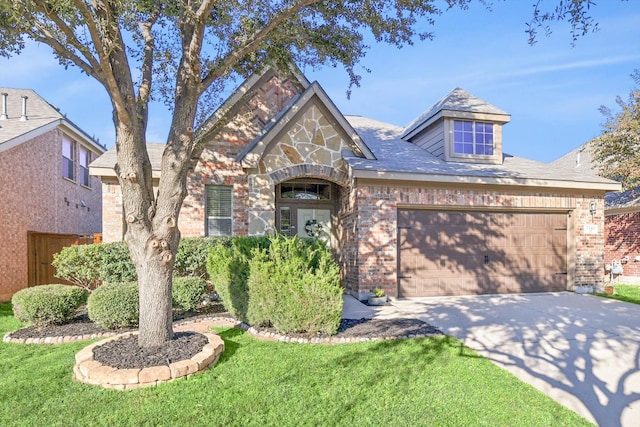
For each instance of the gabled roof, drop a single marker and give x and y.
(41, 117)
(252, 153)
(458, 100)
(580, 160)
(622, 201)
(230, 105)
(399, 159)
(103, 165)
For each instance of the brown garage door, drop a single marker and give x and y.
(466, 253)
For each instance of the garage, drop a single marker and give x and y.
(488, 252)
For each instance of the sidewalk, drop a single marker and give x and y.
(354, 309)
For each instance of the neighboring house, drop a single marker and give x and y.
(622, 219)
(48, 198)
(436, 208)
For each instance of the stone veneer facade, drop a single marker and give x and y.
(310, 149)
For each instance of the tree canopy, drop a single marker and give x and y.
(617, 150)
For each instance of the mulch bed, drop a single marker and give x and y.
(126, 354)
(81, 325)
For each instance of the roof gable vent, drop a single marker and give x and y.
(24, 109)
(4, 116)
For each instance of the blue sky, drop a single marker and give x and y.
(552, 90)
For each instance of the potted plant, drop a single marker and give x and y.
(378, 297)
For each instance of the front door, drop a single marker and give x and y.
(314, 223)
(304, 208)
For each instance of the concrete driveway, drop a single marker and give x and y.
(581, 350)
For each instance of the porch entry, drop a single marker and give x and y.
(305, 208)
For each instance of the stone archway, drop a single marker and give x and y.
(309, 171)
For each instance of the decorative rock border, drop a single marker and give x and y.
(203, 325)
(89, 371)
(274, 336)
(56, 340)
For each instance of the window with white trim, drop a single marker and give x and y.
(219, 210)
(473, 138)
(84, 158)
(68, 158)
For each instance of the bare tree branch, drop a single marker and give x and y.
(144, 91)
(226, 63)
(91, 66)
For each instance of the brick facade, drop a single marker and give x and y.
(36, 198)
(217, 164)
(623, 240)
(311, 145)
(377, 205)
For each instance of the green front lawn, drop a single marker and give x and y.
(627, 293)
(431, 382)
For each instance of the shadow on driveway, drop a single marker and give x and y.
(581, 350)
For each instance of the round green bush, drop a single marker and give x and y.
(114, 306)
(187, 292)
(48, 305)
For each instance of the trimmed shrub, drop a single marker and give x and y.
(79, 264)
(187, 292)
(295, 287)
(228, 268)
(116, 266)
(88, 265)
(114, 305)
(48, 305)
(191, 259)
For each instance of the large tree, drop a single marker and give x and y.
(182, 51)
(617, 150)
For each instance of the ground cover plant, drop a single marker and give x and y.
(431, 381)
(627, 293)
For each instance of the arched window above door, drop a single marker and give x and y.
(305, 191)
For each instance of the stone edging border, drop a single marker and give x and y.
(273, 336)
(226, 321)
(89, 371)
(56, 340)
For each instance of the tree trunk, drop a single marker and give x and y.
(156, 323)
(154, 258)
(152, 234)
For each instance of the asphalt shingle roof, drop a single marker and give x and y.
(108, 159)
(398, 156)
(39, 114)
(456, 100)
(580, 160)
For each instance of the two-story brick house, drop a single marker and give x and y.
(48, 199)
(433, 208)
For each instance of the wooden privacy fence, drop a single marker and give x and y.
(42, 247)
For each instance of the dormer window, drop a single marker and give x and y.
(472, 138)
(460, 128)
